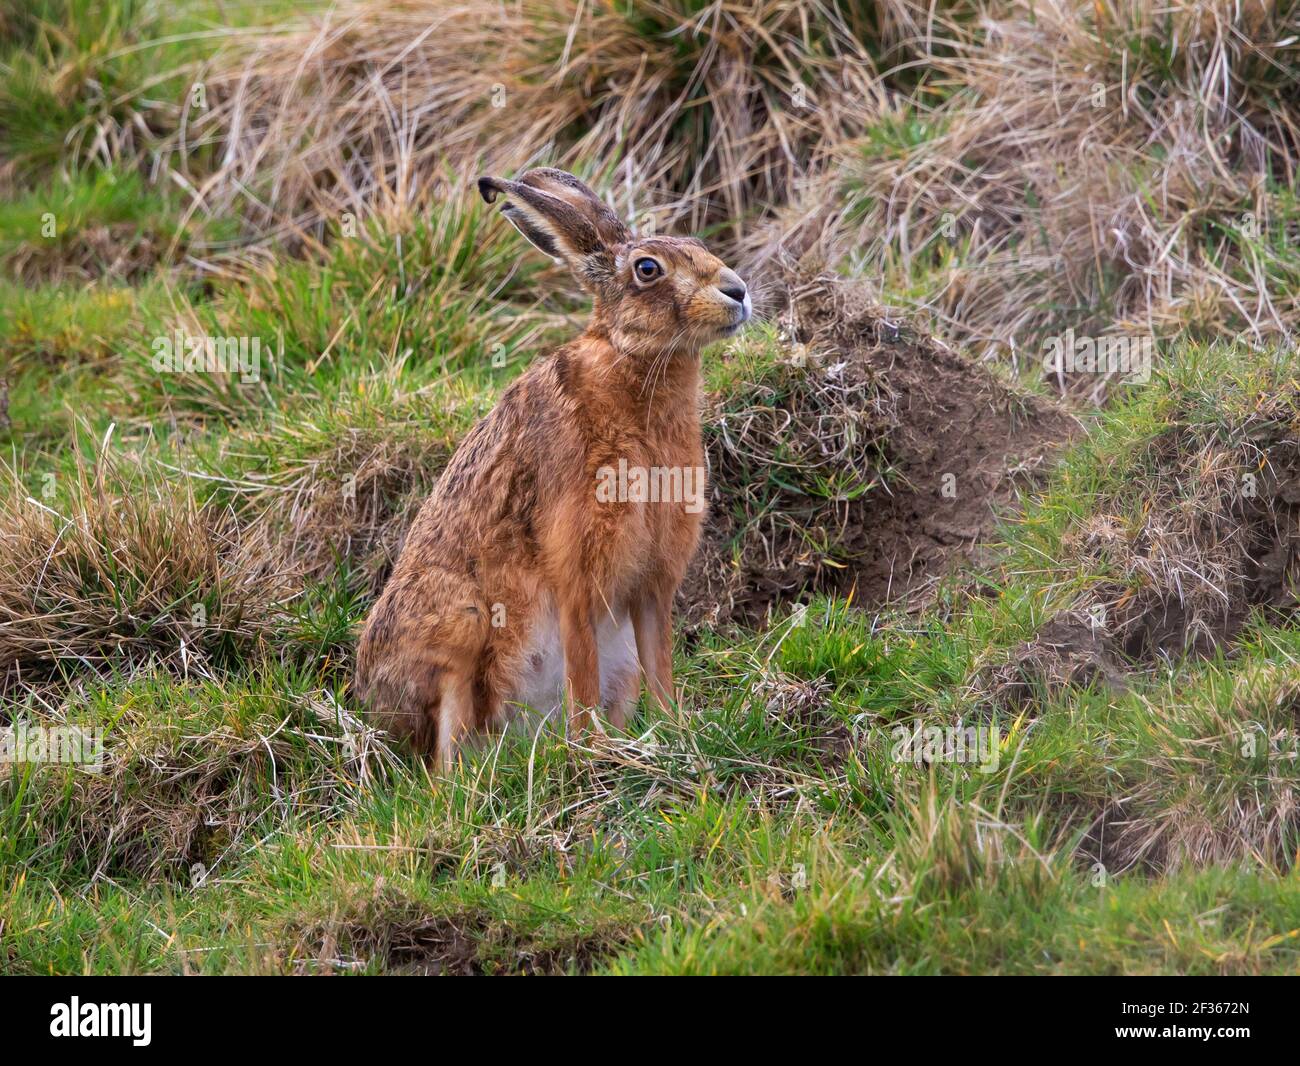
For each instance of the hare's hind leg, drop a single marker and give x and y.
(455, 717)
(652, 619)
(620, 675)
(402, 702)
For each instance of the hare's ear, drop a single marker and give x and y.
(563, 218)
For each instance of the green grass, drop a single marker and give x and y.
(93, 84)
(529, 859)
(105, 223)
(244, 820)
(442, 293)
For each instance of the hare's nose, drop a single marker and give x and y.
(730, 285)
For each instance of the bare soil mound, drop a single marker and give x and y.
(411, 939)
(933, 443)
(1221, 540)
(1205, 534)
(1069, 649)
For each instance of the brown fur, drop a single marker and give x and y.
(514, 527)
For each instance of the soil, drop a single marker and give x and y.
(411, 942)
(1243, 548)
(947, 442)
(1069, 649)
(1258, 556)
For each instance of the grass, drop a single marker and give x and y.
(443, 292)
(1082, 169)
(185, 557)
(91, 86)
(696, 109)
(97, 225)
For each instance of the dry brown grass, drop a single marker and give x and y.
(690, 108)
(1218, 535)
(120, 565)
(1102, 165)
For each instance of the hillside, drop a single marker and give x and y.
(989, 659)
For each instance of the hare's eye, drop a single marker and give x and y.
(647, 269)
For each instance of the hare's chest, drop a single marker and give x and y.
(654, 476)
(650, 497)
(650, 509)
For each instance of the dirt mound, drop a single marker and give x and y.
(1069, 649)
(877, 460)
(1219, 535)
(1205, 531)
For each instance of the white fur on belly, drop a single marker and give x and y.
(540, 691)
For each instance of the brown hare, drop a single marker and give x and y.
(542, 568)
